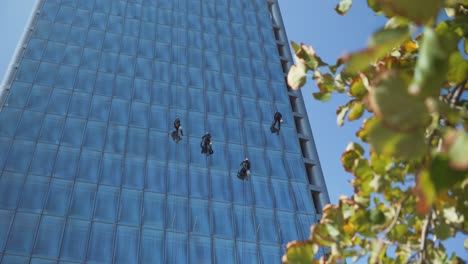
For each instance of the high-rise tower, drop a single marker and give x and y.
(89, 172)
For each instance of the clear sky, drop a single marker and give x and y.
(310, 21)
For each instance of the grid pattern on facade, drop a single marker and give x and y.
(89, 172)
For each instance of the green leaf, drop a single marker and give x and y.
(419, 11)
(295, 47)
(357, 88)
(341, 114)
(457, 145)
(356, 111)
(432, 63)
(376, 216)
(443, 231)
(297, 76)
(300, 252)
(325, 82)
(343, 7)
(425, 192)
(466, 243)
(381, 44)
(457, 69)
(406, 146)
(398, 109)
(442, 175)
(348, 159)
(324, 97)
(399, 232)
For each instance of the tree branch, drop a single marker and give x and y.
(424, 231)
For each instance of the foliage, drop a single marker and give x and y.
(411, 188)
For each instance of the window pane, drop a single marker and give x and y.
(20, 156)
(223, 251)
(107, 199)
(34, 193)
(176, 216)
(199, 186)
(112, 169)
(200, 249)
(153, 210)
(49, 237)
(11, 186)
(247, 252)
(176, 248)
(126, 249)
(75, 240)
(199, 217)
(130, 207)
(221, 186)
(5, 221)
(101, 243)
(222, 220)
(22, 232)
(30, 125)
(82, 202)
(58, 197)
(156, 176)
(266, 226)
(43, 160)
(66, 163)
(152, 245)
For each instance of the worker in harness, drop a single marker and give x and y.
(244, 170)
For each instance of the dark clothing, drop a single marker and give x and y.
(277, 120)
(178, 127)
(205, 145)
(244, 170)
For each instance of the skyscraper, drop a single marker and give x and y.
(89, 170)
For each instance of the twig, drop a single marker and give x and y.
(422, 247)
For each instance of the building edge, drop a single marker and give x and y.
(311, 160)
(12, 67)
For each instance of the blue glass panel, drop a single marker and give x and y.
(195, 77)
(305, 221)
(123, 87)
(104, 84)
(283, 196)
(111, 41)
(247, 253)
(35, 49)
(157, 148)
(253, 134)
(213, 81)
(103, 6)
(176, 248)
(134, 173)
(245, 225)
(88, 167)
(4, 148)
(130, 207)
(177, 179)
(126, 65)
(222, 220)
(145, 48)
(199, 217)
(131, 27)
(11, 186)
(270, 254)
(242, 191)
(236, 155)
(75, 240)
(95, 39)
(221, 186)
(153, 210)
(42, 29)
(176, 214)
(95, 135)
(199, 186)
(58, 197)
(52, 129)
(129, 45)
(262, 192)
(133, 10)
(107, 199)
(225, 44)
(214, 103)
(143, 68)
(27, 70)
(142, 90)
(266, 226)
(49, 237)
(148, 30)
(67, 162)
(5, 221)
(85, 82)
(126, 248)
(66, 78)
(231, 106)
(119, 111)
(58, 103)
(13, 259)
(20, 156)
(112, 169)
(158, 119)
(152, 245)
(34, 194)
(108, 62)
(42, 261)
(47, 73)
(101, 243)
(22, 232)
(99, 21)
(30, 125)
(303, 197)
(156, 176)
(79, 105)
(195, 156)
(296, 167)
(39, 97)
(73, 132)
(139, 115)
(115, 141)
(77, 36)
(100, 107)
(260, 167)
(43, 160)
(263, 90)
(19, 93)
(223, 251)
(82, 202)
(49, 11)
(82, 17)
(274, 141)
(287, 227)
(54, 52)
(9, 118)
(200, 249)
(136, 141)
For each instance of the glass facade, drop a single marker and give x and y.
(88, 170)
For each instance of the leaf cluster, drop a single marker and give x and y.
(411, 189)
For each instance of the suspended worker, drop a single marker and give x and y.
(178, 126)
(205, 144)
(277, 119)
(244, 170)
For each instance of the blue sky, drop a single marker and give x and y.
(312, 22)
